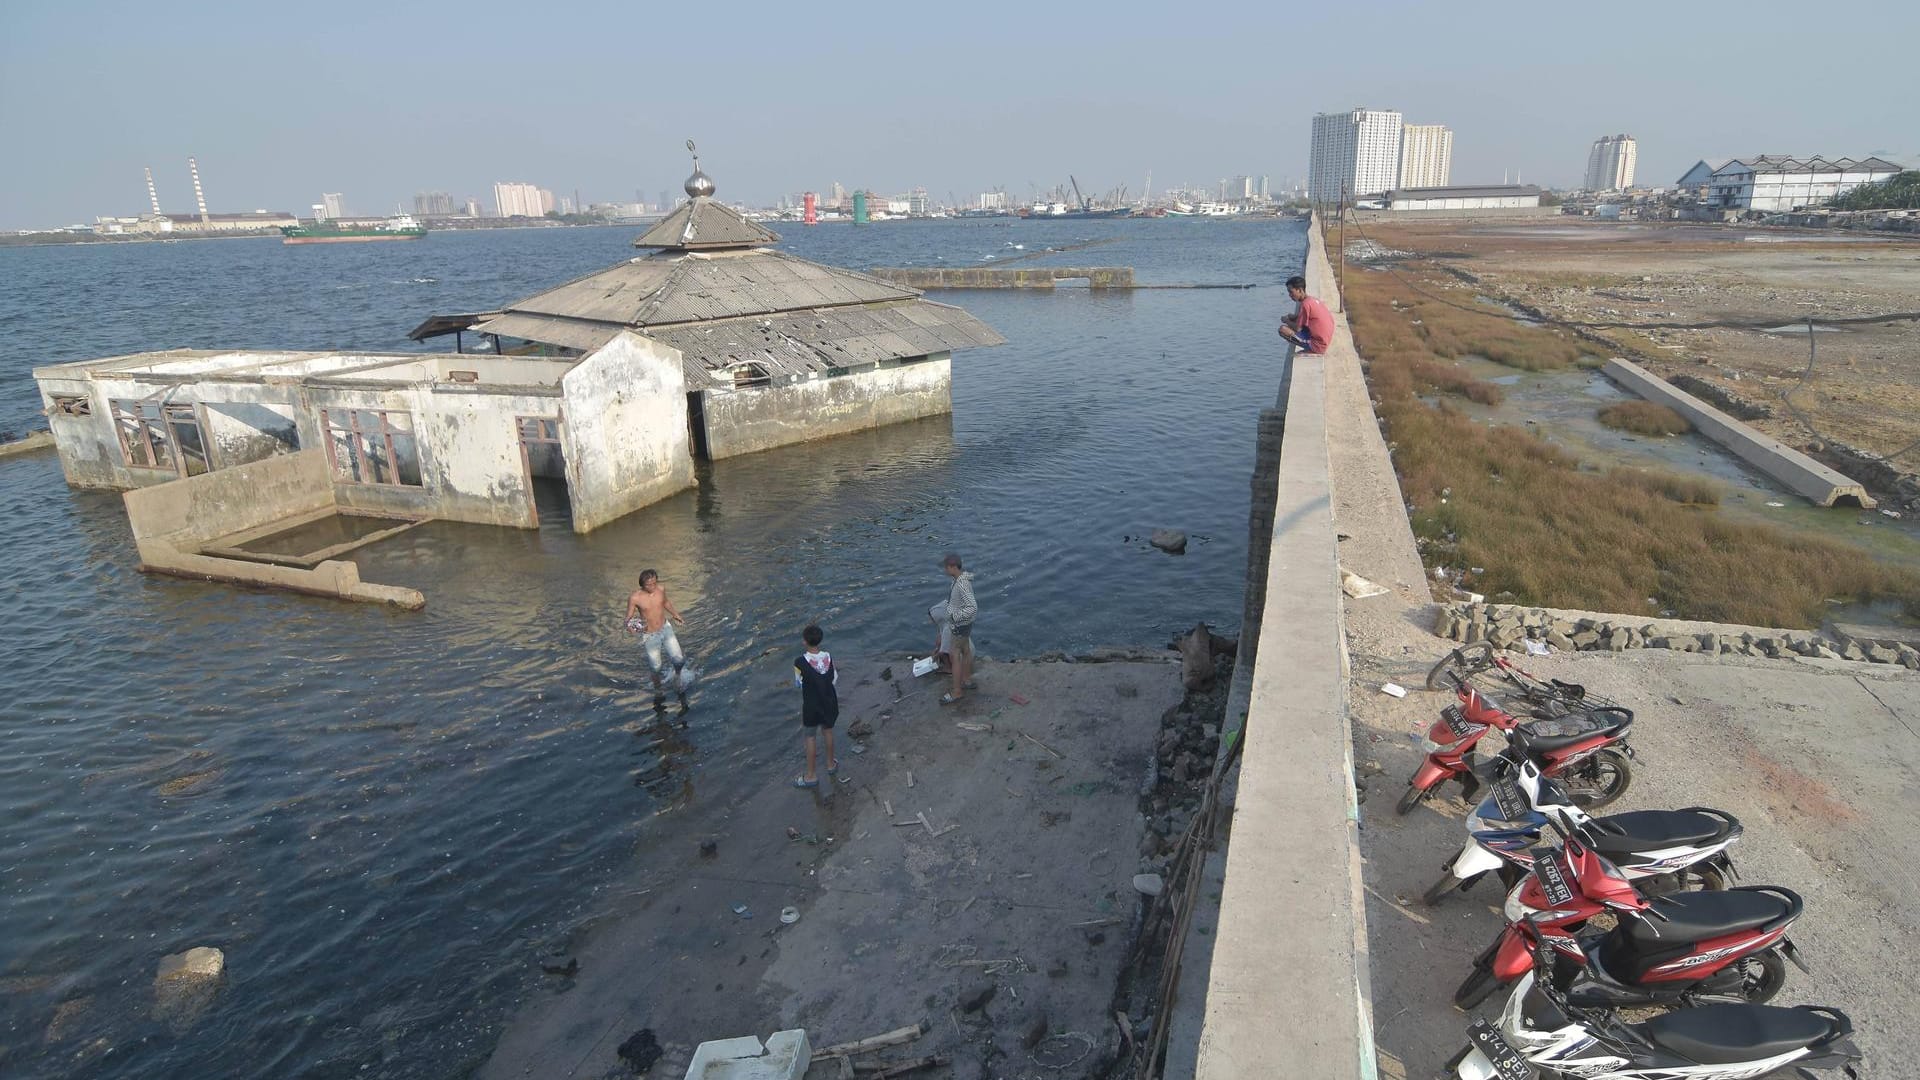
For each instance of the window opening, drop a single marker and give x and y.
(183, 425)
(69, 405)
(371, 446)
(143, 435)
(750, 375)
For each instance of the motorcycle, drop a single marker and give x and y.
(1569, 887)
(1503, 830)
(1588, 750)
(1543, 1032)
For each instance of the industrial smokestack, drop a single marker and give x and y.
(153, 196)
(198, 196)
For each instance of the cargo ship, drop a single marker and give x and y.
(399, 227)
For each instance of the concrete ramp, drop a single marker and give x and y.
(1801, 474)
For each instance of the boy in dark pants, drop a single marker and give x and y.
(815, 675)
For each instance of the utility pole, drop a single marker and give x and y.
(1342, 278)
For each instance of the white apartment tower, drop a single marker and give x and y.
(1426, 156)
(1356, 153)
(1610, 163)
(517, 200)
(335, 205)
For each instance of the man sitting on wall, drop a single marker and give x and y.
(1311, 326)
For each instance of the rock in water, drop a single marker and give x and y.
(640, 1050)
(185, 984)
(1171, 541)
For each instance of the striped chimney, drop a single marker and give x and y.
(198, 196)
(153, 196)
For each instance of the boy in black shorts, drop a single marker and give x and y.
(815, 675)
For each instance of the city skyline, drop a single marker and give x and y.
(1182, 100)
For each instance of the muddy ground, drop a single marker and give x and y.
(1018, 889)
(1865, 385)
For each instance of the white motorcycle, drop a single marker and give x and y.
(1676, 849)
(1541, 1035)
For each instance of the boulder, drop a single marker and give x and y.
(1907, 656)
(1882, 654)
(1586, 639)
(1852, 651)
(1171, 541)
(1560, 641)
(1196, 658)
(185, 984)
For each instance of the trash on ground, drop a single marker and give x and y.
(1393, 690)
(789, 915)
(1358, 587)
(924, 667)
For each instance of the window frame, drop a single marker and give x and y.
(374, 458)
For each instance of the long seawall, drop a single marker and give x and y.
(1287, 992)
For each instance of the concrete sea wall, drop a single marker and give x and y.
(1288, 991)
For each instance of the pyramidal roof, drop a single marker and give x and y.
(700, 224)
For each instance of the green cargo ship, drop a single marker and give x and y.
(402, 227)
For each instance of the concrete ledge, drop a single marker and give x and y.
(1288, 993)
(991, 277)
(38, 440)
(1801, 474)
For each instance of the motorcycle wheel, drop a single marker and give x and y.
(1439, 889)
(1600, 780)
(1699, 878)
(1468, 660)
(1761, 977)
(1408, 801)
(1477, 988)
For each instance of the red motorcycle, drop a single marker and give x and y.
(1585, 748)
(1685, 949)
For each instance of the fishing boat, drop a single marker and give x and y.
(398, 227)
(1060, 211)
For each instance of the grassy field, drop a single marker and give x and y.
(1543, 530)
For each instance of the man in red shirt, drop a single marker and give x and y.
(1311, 327)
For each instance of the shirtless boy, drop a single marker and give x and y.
(648, 612)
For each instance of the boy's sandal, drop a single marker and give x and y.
(803, 782)
(834, 767)
(948, 699)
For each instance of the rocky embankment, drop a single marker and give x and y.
(1519, 629)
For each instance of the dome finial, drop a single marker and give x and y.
(699, 185)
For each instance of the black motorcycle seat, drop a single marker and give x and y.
(1725, 1034)
(1651, 830)
(1697, 916)
(1560, 732)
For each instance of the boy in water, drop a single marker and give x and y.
(648, 610)
(815, 675)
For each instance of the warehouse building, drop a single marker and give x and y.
(1775, 184)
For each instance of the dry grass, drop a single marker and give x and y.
(1644, 418)
(1690, 490)
(1549, 533)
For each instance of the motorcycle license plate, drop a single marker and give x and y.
(1552, 881)
(1513, 805)
(1506, 1060)
(1458, 723)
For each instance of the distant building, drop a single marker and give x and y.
(917, 202)
(993, 200)
(547, 203)
(517, 200)
(1774, 184)
(432, 204)
(1354, 153)
(566, 205)
(1489, 197)
(1265, 191)
(1610, 163)
(335, 205)
(1426, 156)
(473, 207)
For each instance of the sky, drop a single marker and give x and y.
(281, 103)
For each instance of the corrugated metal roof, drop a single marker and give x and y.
(795, 343)
(703, 223)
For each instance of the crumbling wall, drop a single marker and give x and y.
(187, 513)
(89, 450)
(760, 418)
(625, 436)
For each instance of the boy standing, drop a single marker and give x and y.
(648, 612)
(815, 675)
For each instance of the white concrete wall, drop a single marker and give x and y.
(763, 417)
(625, 437)
(1289, 991)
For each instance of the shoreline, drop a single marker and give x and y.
(977, 855)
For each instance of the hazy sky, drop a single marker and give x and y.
(281, 102)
